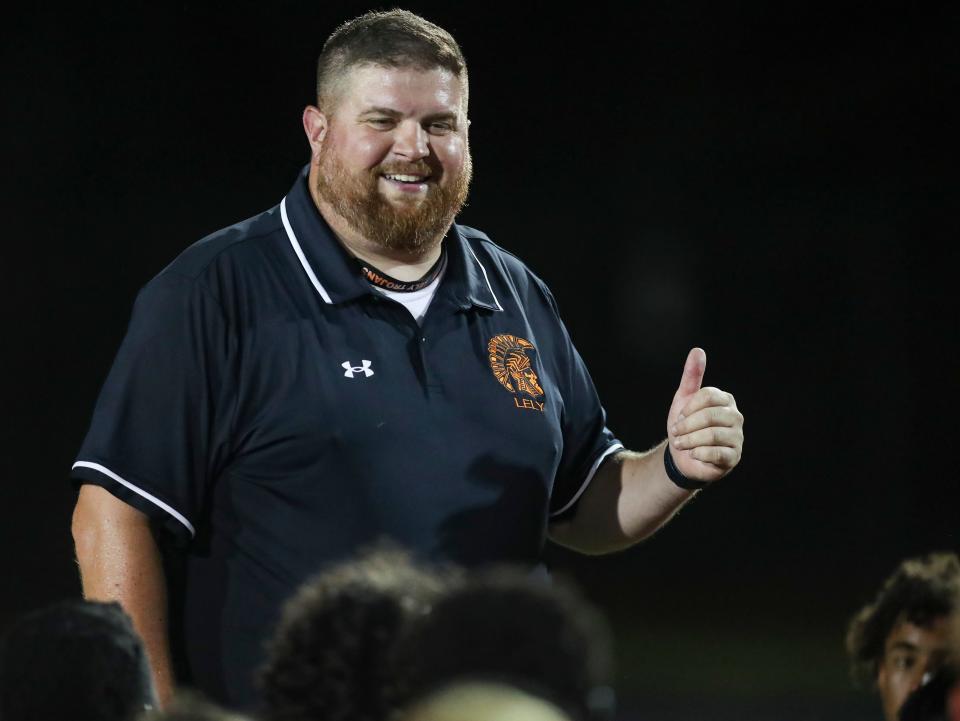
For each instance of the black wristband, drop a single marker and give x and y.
(674, 474)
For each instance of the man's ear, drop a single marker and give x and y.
(315, 125)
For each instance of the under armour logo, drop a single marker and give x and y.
(349, 370)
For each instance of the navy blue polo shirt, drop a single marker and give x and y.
(274, 412)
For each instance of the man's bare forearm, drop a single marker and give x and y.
(628, 500)
(119, 561)
(632, 495)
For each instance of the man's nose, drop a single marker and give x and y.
(923, 672)
(411, 141)
(917, 678)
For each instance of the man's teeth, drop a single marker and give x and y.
(406, 178)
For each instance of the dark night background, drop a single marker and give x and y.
(769, 181)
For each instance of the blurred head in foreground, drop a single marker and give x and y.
(482, 701)
(331, 656)
(191, 707)
(76, 660)
(504, 627)
(899, 641)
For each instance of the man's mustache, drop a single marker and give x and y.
(405, 169)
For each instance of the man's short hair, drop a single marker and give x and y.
(504, 626)
(330, 657)
(393, 39)
(920, 591)
(76, 660)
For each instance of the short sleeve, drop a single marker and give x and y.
(587, 441)
(159, 426)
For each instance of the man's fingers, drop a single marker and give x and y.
(728, 437)
(693, 371)
(706, 397)
(725, 416)
(719, 456)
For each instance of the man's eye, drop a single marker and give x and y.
(903, 663)
(381, 122)
(439, 128)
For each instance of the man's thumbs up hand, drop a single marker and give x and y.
(704, 427)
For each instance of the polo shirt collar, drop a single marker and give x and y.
(328, 265)
(333, 272)
(468, 277)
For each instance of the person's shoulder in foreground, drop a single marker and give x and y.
(190, 706)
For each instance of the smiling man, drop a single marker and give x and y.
(393, 164)
(900, 640)
(349, 365)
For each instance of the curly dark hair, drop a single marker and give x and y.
(503, 625)
(395, 38)
(921, 590)
(330, 657)
(74, 659)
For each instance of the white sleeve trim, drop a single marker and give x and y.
(593, 470)
(139, 491)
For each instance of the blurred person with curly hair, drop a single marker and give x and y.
(504, 626)
(77, 660)
(330, 658)
(898, 642)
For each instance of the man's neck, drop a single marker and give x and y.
(402, 265)
(399, 265)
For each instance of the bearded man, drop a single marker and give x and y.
(352, 365)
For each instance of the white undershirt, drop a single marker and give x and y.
(416, 301)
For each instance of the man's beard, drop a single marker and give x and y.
(404, 227)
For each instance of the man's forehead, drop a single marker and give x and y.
(369, 85)
(906, 634)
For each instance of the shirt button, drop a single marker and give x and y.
(424, 339)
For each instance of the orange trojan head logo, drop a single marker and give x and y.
(512, 367)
